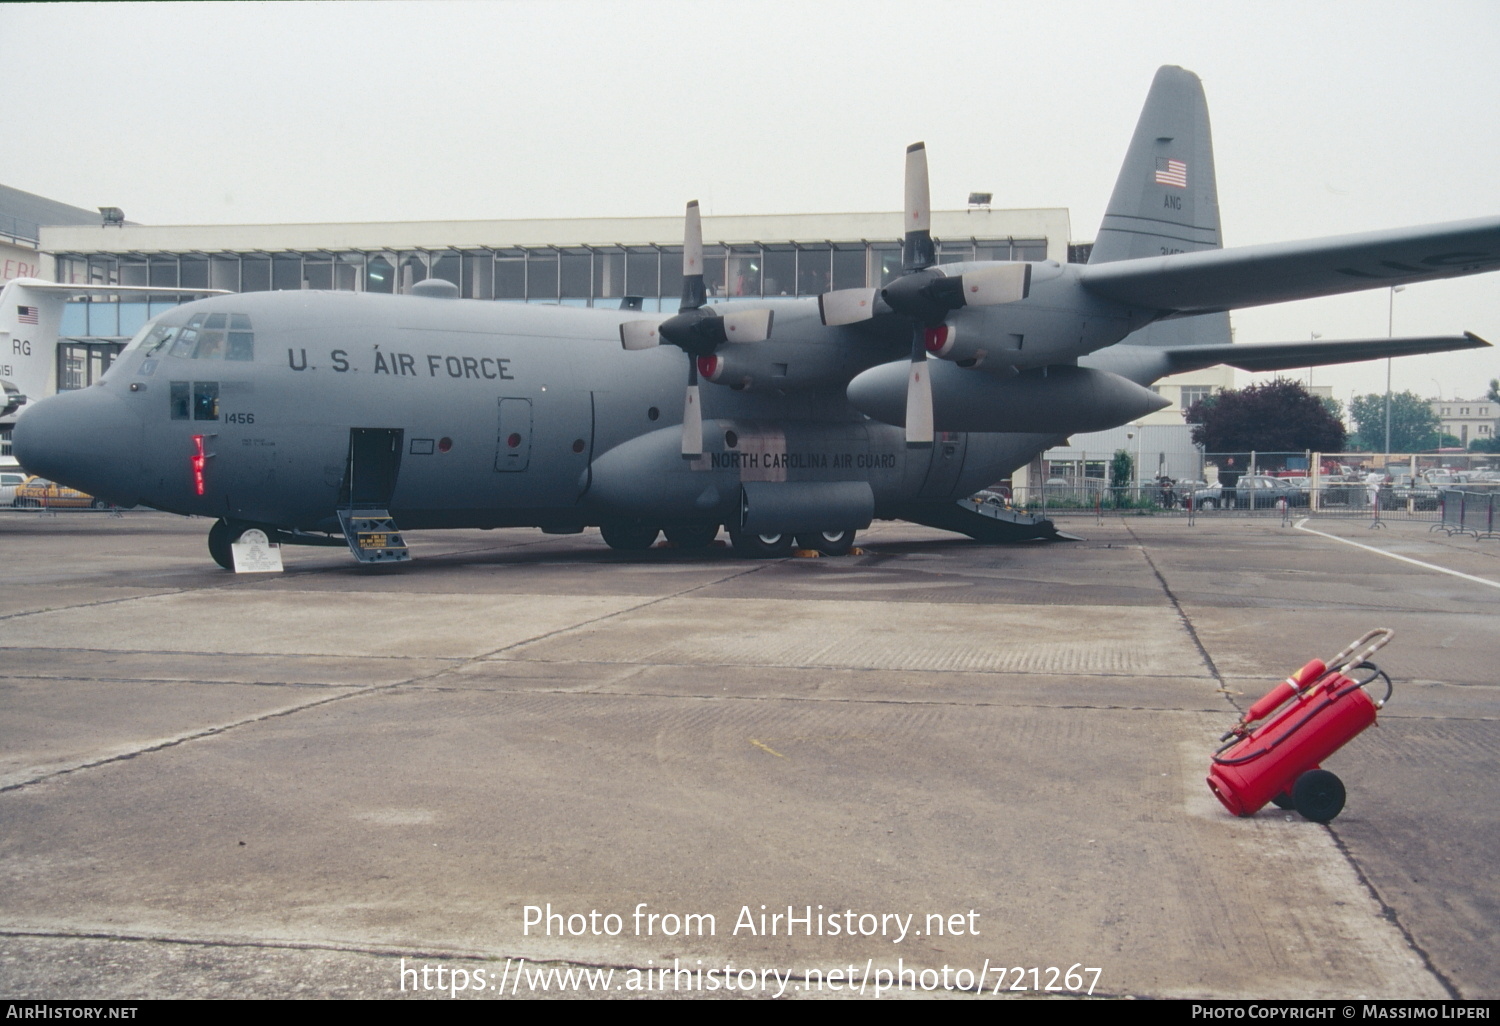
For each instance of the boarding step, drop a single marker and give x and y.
(373, 536)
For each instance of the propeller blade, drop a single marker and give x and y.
(847, 306)
(692, 416)
(694, 291)
(747, 325)
(640, 335)
(918, 395)
(917, 250)
(991, 286)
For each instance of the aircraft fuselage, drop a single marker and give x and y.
(459, 413)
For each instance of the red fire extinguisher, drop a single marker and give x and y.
(1306, 718)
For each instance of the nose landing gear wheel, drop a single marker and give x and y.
(761, 546)
(220, 537)
(829, 543)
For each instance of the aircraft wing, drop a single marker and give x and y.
(1227, 279)
(1273, 356)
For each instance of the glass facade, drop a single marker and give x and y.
(572, 275)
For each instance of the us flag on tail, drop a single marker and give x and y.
(1171, 172)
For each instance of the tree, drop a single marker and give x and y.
(1493, 395)
(1414, 426)
(1279, 417)
(1121, 470)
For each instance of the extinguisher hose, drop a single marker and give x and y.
(1328, 700)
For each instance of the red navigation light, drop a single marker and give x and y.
(198, 460)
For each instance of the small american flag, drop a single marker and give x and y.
(26, 314)
(1171, 172)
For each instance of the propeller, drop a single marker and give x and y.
(925, 295)
(697, 329)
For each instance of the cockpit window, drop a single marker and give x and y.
(217, 336)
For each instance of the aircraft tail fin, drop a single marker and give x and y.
(1166, 199)
(29, 320)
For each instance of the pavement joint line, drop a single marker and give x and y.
(246, 655)
(455, 955)
(1182, 615)
(1390, 914)
(178, 680)
(92, 605)
(822, 668)
(1301, 525)
(181, 739)
(357, 692)
(844, 700)
(618, 612)
(272, 944)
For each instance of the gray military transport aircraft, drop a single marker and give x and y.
(344, 418)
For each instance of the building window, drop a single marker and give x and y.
(1191, 394)
(643, 272)
(380, 275)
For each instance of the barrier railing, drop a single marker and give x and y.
(1467, 512)
(1338, 499)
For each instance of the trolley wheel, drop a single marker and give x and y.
(761, 546)
(829, 543)
(1318, 795)
(628, 536)
(1284, 801)
(693, 536)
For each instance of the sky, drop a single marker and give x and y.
(1328, 118)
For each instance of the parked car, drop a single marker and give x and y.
(9, 482)
(38, 491)
(1251, 492)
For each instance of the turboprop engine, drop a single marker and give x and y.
(1059, 399)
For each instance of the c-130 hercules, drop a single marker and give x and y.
(341, 417)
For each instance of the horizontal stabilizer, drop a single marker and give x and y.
(1274, 356)
(37, 285)
(1228, 279)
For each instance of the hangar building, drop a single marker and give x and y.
(577, 262)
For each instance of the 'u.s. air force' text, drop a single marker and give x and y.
(402, 365)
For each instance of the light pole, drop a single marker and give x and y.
(1390, 321)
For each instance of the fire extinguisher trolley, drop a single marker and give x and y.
(1304, 720)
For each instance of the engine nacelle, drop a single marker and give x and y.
(777, 367)
(1059, 399)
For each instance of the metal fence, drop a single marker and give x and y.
(1463, 511)
(1270, 484)
(1345, 500)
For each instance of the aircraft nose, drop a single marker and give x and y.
(87, 440)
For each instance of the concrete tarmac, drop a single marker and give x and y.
(929, 768)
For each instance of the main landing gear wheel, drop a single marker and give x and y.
(626, 536)
(693, 536)
(829, 543)
(761, 546)
(1318, 795)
